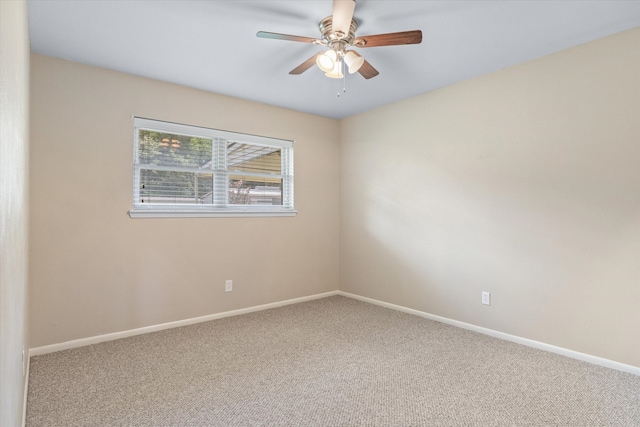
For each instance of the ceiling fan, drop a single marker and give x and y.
(338, 35)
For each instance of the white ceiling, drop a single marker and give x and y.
(212, 45)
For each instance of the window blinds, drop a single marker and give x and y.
(186, 167)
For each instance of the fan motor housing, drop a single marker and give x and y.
(330, 38)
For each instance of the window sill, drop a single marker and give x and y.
(201, 213)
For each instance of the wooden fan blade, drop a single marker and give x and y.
(366, 70)
(390, 39)
(305, 65)
(278, 36)
(342, 15)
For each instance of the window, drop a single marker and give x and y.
(190, 171)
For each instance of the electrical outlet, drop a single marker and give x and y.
(228, 285)
(486, 298)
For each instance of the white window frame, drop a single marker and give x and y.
(220, 208)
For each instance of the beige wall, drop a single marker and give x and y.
(14, 145)
(524, 183)
(94, 270)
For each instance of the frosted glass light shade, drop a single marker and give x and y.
(326, 62)
(336, 73)
(353, 61)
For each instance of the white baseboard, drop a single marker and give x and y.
(26, 389)
(508, 337)
(486, 331)
(36, 351)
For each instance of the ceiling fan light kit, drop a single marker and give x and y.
(338, 35)
(331, 63)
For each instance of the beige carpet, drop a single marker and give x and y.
(329, 362)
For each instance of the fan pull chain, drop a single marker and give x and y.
(344, 78)
(342, 75)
